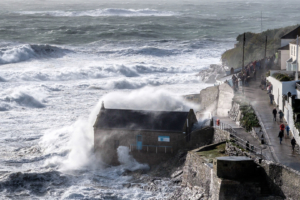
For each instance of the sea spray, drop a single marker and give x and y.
(128, 161)
(74, 143)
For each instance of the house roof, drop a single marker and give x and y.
(290, 60)
(141, 120)
(293, 34)
(286, 47)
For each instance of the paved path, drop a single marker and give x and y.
(241, 133)
(261, 103)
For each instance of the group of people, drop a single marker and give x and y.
(283, 127)
(245, 75)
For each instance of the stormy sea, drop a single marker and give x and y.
(60, 59)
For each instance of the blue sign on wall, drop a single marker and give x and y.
(164, 138)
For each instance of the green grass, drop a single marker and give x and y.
(213, 153)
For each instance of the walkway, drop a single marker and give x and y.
(241, 133)
(261, 104)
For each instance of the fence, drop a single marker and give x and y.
(237, 140)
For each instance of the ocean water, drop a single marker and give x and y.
(60, 59)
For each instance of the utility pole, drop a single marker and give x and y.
(261, 21)
(244, 39)
(296, 76)
(243, 66)
(266, 50)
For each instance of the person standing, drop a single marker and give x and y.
(293, 142)
(281, 127)
(280, 115)
(287, 131)
(271, 98)
(274, 114)
(280, 135)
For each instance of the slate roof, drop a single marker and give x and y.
(286, 47)
(141, 120)
(293, 34)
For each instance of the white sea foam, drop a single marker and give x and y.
(102, 12)
(128, 161)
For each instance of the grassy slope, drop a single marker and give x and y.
(255, 46)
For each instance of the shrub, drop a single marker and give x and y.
(249, 119)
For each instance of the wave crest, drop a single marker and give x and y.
(24, 99)
(25, 52)
(102, 12)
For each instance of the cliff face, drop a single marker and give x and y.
(255, 46)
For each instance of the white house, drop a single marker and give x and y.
(283, 99)
(289, 37)
(281, 88)
(285, 48)
(284, 55)
(291, 63)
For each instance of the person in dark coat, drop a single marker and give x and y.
(271, 99)
(274, 114)
(293, 142)
(280, 135)
(280, 115)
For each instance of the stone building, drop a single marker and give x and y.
(151, 135)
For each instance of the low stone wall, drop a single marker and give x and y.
(197, 172)
(220, 135)
(282, 180)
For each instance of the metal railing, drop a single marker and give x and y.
(237, 140)
(298, 86)
(147, 147)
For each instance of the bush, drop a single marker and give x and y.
(282, 77)
(249, 119)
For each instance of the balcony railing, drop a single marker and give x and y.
(151, 148)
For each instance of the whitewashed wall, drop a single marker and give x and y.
(288, 116)
(281, 88)
(285, 55)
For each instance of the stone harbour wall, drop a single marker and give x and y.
(198, 173)
(282, 180)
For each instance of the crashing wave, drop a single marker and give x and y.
(128, 161)
(102, 12)
(24, 99)
(26, 52)
(124, 84)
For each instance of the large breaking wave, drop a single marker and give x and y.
(26, 52)
(102, 12)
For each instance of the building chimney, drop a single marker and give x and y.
(102, 106)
